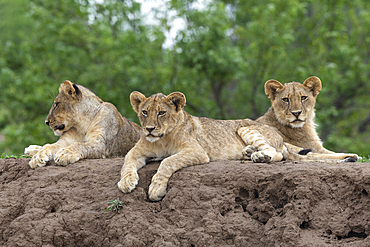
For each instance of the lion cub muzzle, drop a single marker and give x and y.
(297, 116)
(151, 134)
(58, 128)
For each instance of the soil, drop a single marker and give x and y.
(225, 203)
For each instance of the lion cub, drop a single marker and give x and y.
(87, 126)
(182, 140)
(292, 113)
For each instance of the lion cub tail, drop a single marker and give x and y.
(302, 155)
(305, 155)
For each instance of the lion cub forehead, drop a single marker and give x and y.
(156, 102)
(157, 96)
(291, 88)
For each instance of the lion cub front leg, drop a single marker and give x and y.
(45, 154)
(68, 155)
(81, 149)
(187, 157)
(134, 160)
(258, 148)
(48, 151)
(78, 151)
(32, 150)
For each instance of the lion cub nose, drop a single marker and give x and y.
(47, 123)
(296, 113)
(150, 129)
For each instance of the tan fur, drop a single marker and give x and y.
(182, 140)
(87, 126)
(292, 113)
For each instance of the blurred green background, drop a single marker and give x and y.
(220, 59)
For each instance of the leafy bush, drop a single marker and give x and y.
(220, 60)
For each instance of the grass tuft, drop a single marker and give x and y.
(116, 205)
(364, 159)
(20, 156)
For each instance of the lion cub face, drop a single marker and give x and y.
(158, 114)
(293, 102)
(60, 117)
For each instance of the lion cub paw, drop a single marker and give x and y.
(65, 157)
(248, 151)
(351, 158)
(260, 157)
(41, 158)
(32, 150)
(128, 181)
(157, 189)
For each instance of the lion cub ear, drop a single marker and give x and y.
(271, 87)
(314, 84)
(136, 98)
(70, 88)
(177, 99)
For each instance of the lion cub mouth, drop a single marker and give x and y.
(60, 127)
(151, 135)
(153, 138)
(297, 120)
(297, 123)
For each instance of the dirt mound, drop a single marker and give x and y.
(226, 203)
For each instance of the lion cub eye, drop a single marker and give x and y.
(285, 99)
(161, 113)
(145, 113)
(56, 104)
(303, 98)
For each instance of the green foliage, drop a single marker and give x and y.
(221, 59)
(287, 41)
(20, 156)
(364, 159)
(116, 205)
(14, 22)
(113, 55)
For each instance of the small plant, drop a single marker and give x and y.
(116, 205)
(364, 159)
(20, 156)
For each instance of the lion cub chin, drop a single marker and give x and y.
(87, 126)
